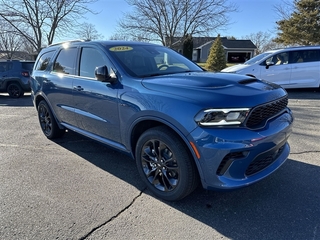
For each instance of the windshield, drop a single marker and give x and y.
(257, 58)
(151, 60)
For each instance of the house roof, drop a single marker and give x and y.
(229, 44)
(199, 42)
(238, 43)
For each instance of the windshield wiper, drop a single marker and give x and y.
(168, 73)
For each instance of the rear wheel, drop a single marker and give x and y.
(47, 121)
(14, 90)
(165, 164)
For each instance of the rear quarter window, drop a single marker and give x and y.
(27, 66)
(302, 56)
(43, 61)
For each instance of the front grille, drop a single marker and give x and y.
(263, 161)
(260, 114)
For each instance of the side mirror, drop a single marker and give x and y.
(268, 64)
(102, 74)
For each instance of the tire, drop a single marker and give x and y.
(14, 90)
(47, 121)
(165, 164)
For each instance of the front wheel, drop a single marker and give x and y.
(165, 164)
(47, 121)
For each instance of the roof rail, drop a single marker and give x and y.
(304, 46)
(69, 41)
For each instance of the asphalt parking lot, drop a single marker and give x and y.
(74, 188)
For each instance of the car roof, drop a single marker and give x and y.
(102, 42)
(294, 48)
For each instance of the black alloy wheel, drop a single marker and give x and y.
(165, 164)
(14, 90)
(47, 121)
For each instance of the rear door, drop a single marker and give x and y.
(58, 85)
(305, 68)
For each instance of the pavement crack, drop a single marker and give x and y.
(297, 153)
(113, 217)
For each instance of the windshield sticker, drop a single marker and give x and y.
(120, 49)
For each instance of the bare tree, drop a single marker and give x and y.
(125, 37)
(261, 40)
(162, 20)
(39, 21)
(88, 31)
(264, 41)
(10, 41)
(120, 36)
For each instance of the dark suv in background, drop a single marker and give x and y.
(15, 77)
(180, 123)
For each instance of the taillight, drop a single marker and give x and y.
(25, 74)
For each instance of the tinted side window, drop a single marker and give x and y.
(6, 66)
(278, 59)
(9, 66)
(44, 61)
(27, 66)
(90, 59)
(65, 61)
(3, 66)
(304, 56)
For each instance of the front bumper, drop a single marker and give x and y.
(232, 158)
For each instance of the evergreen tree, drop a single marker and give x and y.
(217, 58)
(302, 27)
(188, 47)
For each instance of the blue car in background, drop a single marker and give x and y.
(15, 77)
(181, 124)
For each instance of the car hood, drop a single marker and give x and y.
(235, 68)
(207, 87)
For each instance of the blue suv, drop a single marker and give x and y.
(181, 124)
(15, 76)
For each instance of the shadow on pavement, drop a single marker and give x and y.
(24, 101)
(306, 93)
(283, 206)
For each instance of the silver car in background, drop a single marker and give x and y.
(295, 67)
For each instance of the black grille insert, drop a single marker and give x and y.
(228, 159)
(260, 114)
(264, 160)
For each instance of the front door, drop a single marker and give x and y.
(279, 71)
(95, 102)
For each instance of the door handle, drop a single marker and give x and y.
(78, 88)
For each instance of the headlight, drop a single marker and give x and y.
(222, 117)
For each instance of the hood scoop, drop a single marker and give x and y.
(248, 81)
